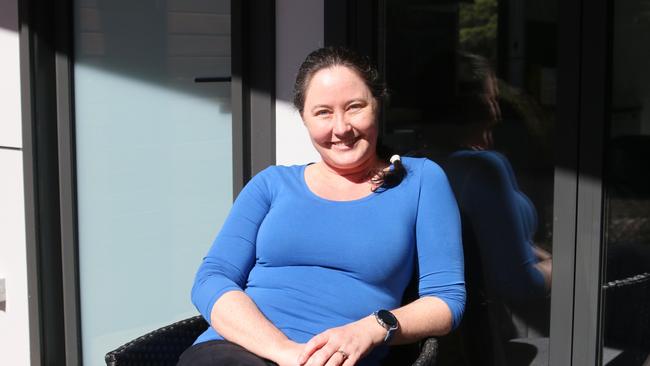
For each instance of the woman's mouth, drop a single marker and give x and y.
(344, 143)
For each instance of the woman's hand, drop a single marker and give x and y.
(544, 265)
(541, 254)
(343, 345)
(425, 317)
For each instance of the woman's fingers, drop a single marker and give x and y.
(332, 356)
(335, 352)
(312, 346)
(350, 361)
(338, 358)
(338, 346)
(325, 349)
(324, 355)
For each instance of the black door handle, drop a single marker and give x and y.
(212, 79)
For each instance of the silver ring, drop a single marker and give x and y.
(343, 353)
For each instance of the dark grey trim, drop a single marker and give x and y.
(33, 280)
(565, 182)
(363, 25)
(354, 24)
(11, 148)
(67, 181)
(252, 88)
(239, 101)
(262, 84)
(593, 104)
(336, 23)
(40, 162)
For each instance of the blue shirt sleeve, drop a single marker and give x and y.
(439, 246)
(232, 255)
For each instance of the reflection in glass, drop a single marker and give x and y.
(626, 283)
(154, 159)
(473, 87)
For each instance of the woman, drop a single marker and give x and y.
(311, 257)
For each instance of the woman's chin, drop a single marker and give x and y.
(347, 161)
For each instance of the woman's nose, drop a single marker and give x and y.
(341, 124)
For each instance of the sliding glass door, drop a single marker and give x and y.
(153, 159)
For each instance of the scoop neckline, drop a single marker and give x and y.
(311, 193)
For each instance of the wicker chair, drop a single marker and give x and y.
(163, 347)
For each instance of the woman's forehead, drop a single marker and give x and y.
(336, 82)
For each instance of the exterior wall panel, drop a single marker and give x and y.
(14, 319)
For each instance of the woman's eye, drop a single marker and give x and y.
(321, 112)
(355, 106)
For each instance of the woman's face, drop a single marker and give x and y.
(340, 116)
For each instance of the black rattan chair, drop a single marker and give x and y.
(160, 347)
(163, 346)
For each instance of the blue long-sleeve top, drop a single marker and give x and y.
(311, 264)
(499, 222)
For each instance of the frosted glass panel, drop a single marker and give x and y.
(154, 159)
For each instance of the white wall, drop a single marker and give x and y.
(299, 30)
(14, 320)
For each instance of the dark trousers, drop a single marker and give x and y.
(220, 353)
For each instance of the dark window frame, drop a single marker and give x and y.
(594, 108)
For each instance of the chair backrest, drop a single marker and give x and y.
(159, 347)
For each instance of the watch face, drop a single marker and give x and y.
(387, 317)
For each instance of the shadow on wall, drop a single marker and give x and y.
(178, 43)
(9, 15)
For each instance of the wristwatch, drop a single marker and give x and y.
(387, 320)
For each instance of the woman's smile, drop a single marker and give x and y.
(344, 144)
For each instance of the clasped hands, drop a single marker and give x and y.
(343, 345)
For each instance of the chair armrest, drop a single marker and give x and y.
(428, 353)
(160, 347)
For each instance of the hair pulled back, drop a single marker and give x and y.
(328, 57)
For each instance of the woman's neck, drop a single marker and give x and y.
(357, 175)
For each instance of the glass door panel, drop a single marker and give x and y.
(154, 159)
(473, 87)
(626, 282)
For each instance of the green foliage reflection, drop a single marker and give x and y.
(478, 27)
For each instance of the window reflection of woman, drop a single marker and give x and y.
(508, 275)
(501, 221)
